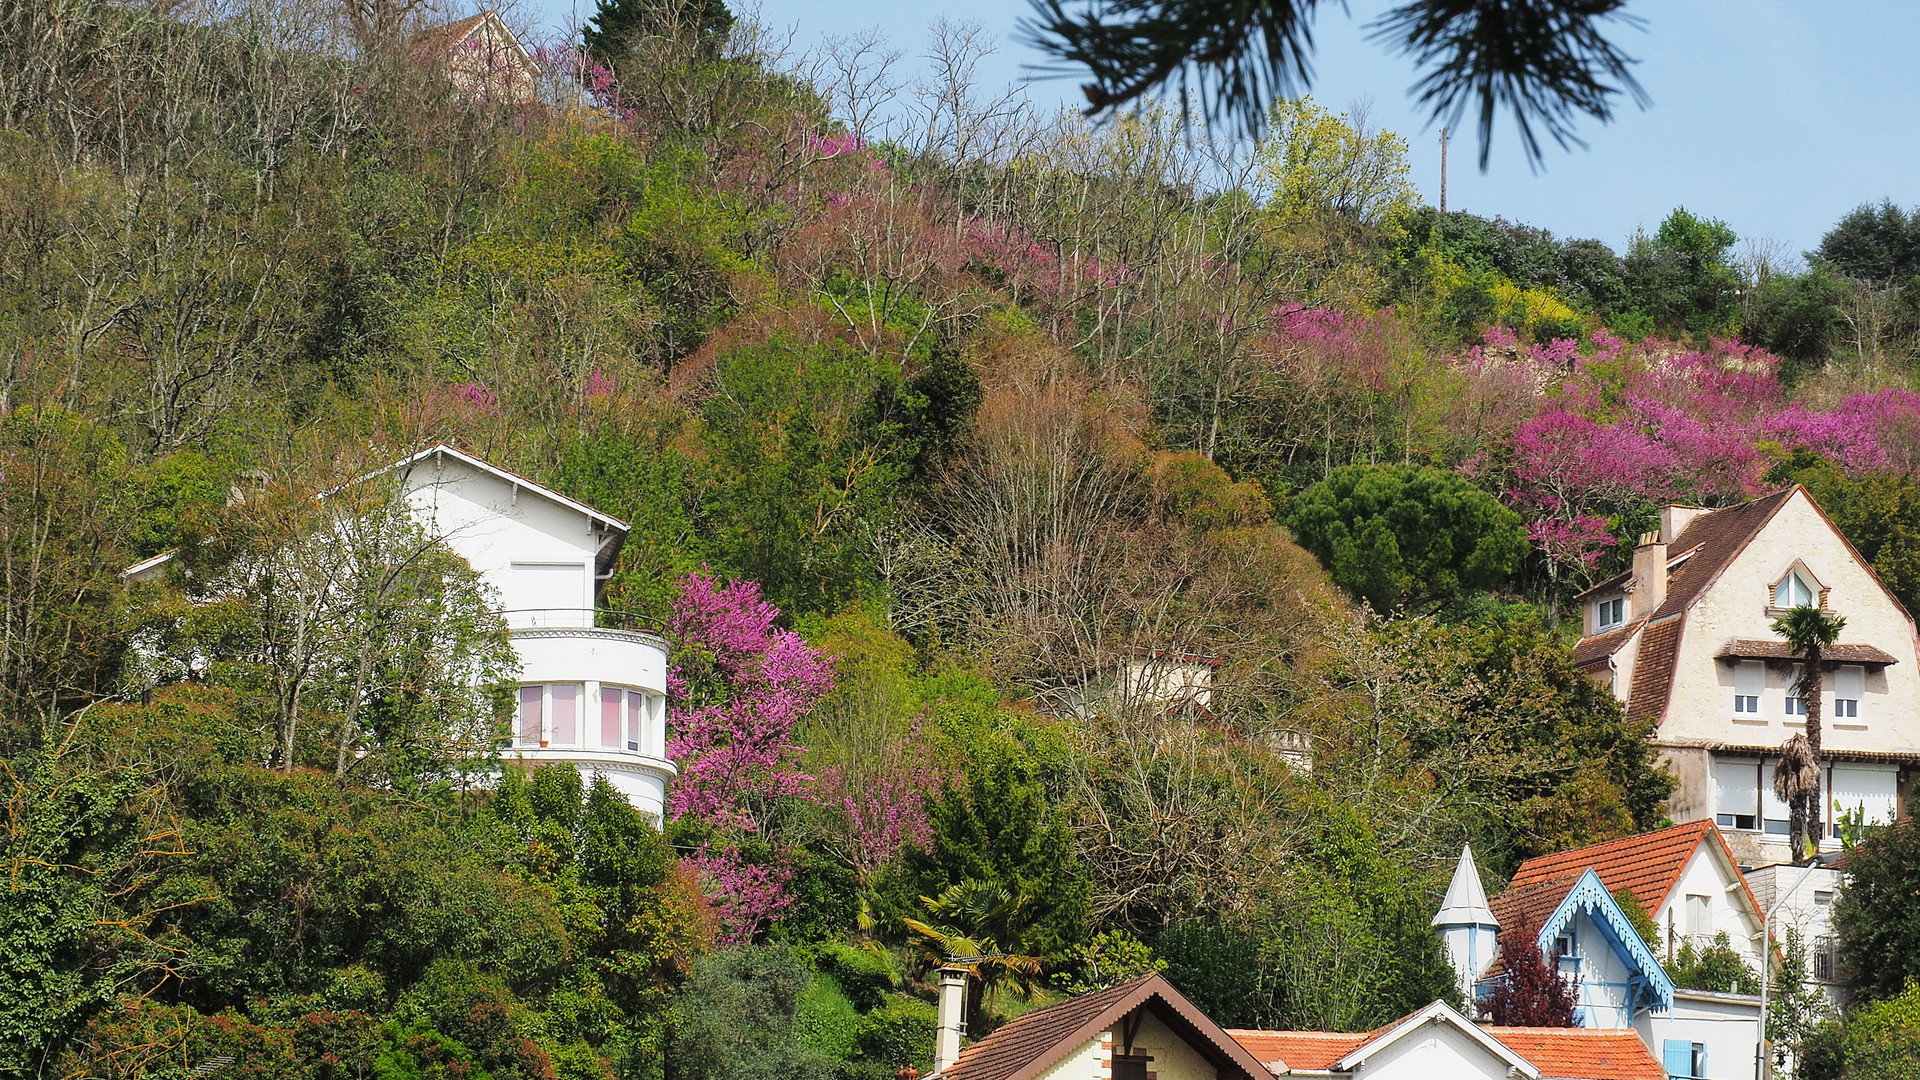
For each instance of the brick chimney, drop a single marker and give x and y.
(953, 1018)
(1649, 574)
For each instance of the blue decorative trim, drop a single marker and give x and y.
(1648, 985)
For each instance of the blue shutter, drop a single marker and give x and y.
(1678, 1057)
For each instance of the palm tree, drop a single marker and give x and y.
(978, 928)
(1796, 779)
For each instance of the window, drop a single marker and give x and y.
(1682, 1058)
(1823, 897)
(1699, 915)
(1608, 614)
(532, 726)
(1130, 1066)
(1849, 685)
(1749, 678)
(610, 712)
(549, 715)
(1826, 958)
(1792, 592)
(1736, 793)
(1796, 705)
(1873, 791)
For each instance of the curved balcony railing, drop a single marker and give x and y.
(582, 618)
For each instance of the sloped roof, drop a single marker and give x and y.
(447, 35)
(1034, 1043)
(515, 479)
(1582, 1053)
(1600, 646)
(1647, 865)
(1653, 671)
(1466, 901)
(1302, 1050)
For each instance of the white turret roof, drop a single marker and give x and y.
(1466, 902)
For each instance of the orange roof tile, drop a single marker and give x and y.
(1647, 865)
(1582, 1053)
(1302, 1049)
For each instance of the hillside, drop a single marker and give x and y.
(988, 411)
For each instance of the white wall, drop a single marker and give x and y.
(1728, 1025)
(1727, 907)
(1435, 1052)
(1806, 905)
(494, 524)
(1603, 977)
(1700, 707)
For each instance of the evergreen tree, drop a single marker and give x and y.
(617, 24)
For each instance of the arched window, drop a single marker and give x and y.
(1793, 591)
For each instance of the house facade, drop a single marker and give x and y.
(484, 58)
(1686, 880)
(1684, 639)
(590, 696)
(1146, 1028)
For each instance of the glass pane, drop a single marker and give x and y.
(610, 717)
(566, 712)
(529, 732)
(637, 722)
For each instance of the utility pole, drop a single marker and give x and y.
(1443, 169)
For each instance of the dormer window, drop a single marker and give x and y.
(1608, 614)
(1792, 592)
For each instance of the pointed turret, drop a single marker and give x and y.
(1467, 926)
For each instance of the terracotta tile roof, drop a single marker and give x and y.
(1031, 1044)
(1302, 1049)
(1653, 671)
(1600, 646)
(1582, 1053)
(1647, 865)
(1842, 653)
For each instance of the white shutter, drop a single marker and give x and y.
(1870, 788)
(546, 594)
(1850, 682)
(1750, 677)
(1736, 788)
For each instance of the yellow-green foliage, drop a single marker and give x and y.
(1316, 162)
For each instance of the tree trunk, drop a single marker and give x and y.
(1811, 685)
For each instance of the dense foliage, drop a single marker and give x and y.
(950, 459)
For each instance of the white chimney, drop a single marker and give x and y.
(953, 1018)
(1649, 574)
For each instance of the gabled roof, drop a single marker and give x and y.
(1438, 1013)
(449, 36)
(1034, 1043)
(1302, 1051)
(1551, 904)
(1582, 1053)
(1466, 902)
(518, 481)
(1590, 650)
(1648, 865)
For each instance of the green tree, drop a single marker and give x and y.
(737, 1018)
(1796, 777)
(1882, 1039)
(1874, 243)
(1407, 535)
(1716, 966)
(617, 25)
(1683, 276)
(1875, 917)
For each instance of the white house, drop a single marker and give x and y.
(1685, 878)
(1685, 641)
(1146, 1028)
(484, 57)
(1801, 898)
(589, 695)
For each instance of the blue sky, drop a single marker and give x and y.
(1775, 116)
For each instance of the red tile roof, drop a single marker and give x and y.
(1600, 646)
(1647, 865)
(1582, 1053)
(1031, 1044)
(1302, 1049)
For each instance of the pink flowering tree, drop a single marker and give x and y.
(737, 688)
(880, 802)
